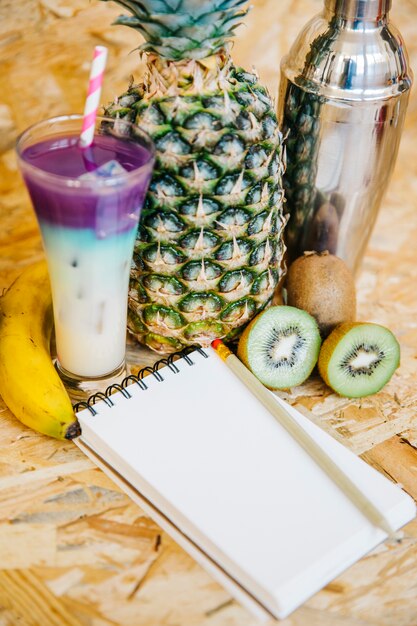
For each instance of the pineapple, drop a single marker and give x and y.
(209, 251)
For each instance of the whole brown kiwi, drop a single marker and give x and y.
(322, 284)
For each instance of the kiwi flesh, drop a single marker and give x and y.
(322, 285)
(280, 346)
(358, 359)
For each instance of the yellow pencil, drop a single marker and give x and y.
(316, 452)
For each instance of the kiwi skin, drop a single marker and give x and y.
(322, 285)
(328, 346)
(327, 349)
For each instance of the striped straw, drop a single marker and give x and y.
(93, 98)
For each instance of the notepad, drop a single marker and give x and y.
(202, 456)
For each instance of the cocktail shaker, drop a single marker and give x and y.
(343, 96)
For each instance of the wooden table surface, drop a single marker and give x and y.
(74, 551)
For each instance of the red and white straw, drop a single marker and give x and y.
(93, 98)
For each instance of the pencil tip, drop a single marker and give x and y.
(393, 535)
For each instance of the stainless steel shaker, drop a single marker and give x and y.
(343, 96)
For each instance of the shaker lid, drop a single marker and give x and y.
(365, 9)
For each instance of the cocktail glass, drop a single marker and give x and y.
(87, 202)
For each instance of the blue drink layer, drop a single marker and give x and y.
(89, 278)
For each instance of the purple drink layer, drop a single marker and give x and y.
(52, 171)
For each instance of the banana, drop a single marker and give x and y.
(29, 383)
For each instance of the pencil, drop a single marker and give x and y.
(316, 452)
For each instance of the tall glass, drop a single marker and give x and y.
(88, 202)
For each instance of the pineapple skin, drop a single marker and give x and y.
(209, 251)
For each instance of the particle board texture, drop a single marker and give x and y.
(74, 550)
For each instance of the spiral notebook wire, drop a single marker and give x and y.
(137, 379)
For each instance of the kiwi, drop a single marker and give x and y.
(357, 360)
(322, 285)
(280, 346)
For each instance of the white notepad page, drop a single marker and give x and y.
(204, 451)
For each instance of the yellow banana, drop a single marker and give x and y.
(29, 383)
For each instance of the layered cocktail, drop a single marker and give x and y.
(88, 202)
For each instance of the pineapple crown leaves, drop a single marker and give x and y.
(183, 29)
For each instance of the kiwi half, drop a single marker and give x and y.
(358, 359)
(280, 346)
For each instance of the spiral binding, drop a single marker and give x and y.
(138, 379)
